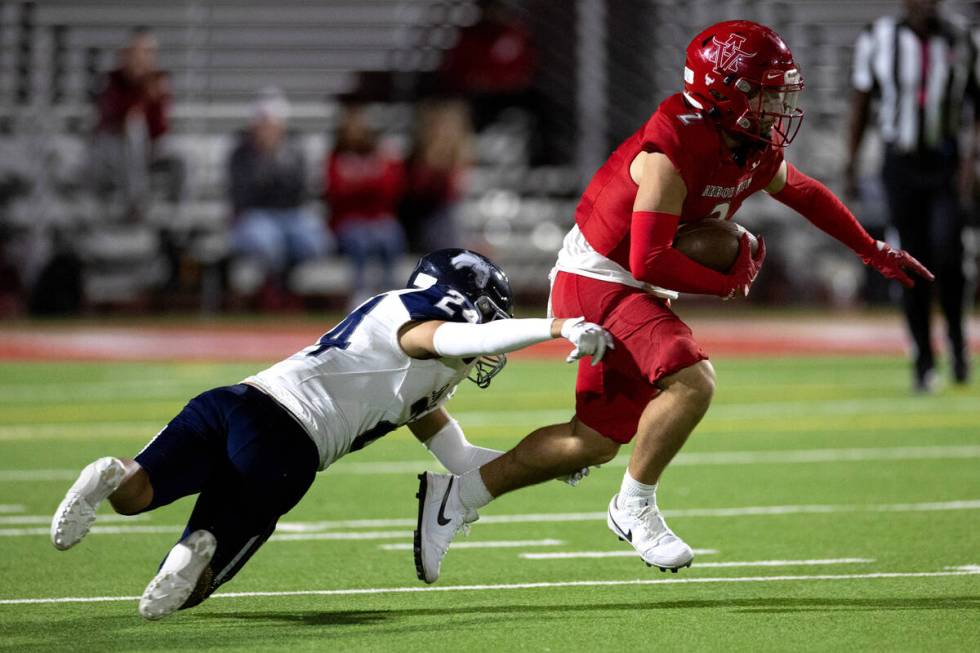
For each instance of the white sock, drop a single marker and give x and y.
(634, 492)
(473, 491)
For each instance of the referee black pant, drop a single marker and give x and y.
(925, 210)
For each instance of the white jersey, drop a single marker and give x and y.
(356, 383)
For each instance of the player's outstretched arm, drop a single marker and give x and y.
(820, 206)
(434, 339)
(656, 216)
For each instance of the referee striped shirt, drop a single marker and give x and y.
(921, 83)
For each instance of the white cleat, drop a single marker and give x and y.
(178, 575)
(644, 528)
(441, 516)
(75, 514)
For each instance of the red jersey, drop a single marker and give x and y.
(716, 184)
(121, 95)
(366, 186)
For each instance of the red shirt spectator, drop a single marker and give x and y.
(123, 95)
(361, 180)
(136, 88)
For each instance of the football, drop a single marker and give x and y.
(712, 242)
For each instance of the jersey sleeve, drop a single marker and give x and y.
(662, 133)
(862, 75)
(439, 302)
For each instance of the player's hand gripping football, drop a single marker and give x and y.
(589, 339)
(746, 266)
(893, 264)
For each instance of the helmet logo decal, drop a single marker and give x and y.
(479, 267)
(729, 55)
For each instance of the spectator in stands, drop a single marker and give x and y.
(441, 152)
(492, 64)
(128, 147)
(363, 185)
(921, 67)
(267, 188)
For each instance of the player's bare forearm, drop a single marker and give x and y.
(428, 425)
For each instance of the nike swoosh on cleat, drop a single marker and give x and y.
(441, 517)
(627, 534)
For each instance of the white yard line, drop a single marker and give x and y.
(28, 475)
(823, 455)
(97, 530)
(89, 430)
(728, 414)
(753, 411)
(360, 535)
(46, 519)
(733, 563)
(12, 507)
(519, 586)
(304, 528)
(565, 555)
(688, 459)
(485, 544)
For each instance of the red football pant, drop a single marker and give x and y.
(651, 343)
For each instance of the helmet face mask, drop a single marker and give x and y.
(485, 368)
(774, 115)
(744, 75)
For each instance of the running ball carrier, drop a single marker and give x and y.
(699, 156)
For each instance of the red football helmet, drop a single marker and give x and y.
(744, 75)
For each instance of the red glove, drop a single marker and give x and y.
(746, 266)
(892, 264)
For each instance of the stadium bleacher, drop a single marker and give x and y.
(220, 52)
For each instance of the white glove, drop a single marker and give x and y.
(589, 339)
(576, 478)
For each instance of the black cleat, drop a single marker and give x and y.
(417, 534)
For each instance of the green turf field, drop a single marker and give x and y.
(833, 511)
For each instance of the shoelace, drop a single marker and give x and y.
(469, 517)
(649, 517)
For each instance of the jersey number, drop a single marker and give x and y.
(720, 211)
(339, 336)
(454, 303)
